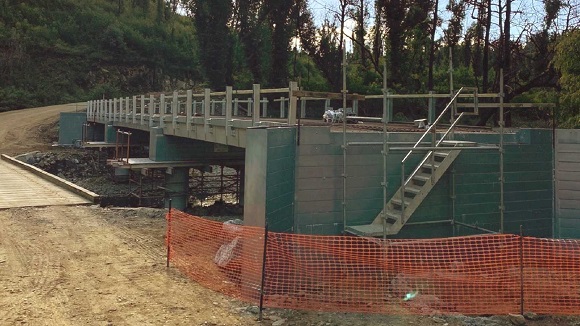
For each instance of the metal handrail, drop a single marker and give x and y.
(404, 181)
(433, 124)
(431, 152)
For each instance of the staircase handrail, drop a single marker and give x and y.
(405, 182)
(433, 124)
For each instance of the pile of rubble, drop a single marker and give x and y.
(85, 168)
(72, 165)
(89, 169)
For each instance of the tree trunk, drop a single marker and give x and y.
(485, 72)
(361, 33)
(432, 50)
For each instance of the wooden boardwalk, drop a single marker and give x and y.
(21, 188)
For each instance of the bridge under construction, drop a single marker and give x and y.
(363, 175)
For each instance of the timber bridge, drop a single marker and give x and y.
(361, 175)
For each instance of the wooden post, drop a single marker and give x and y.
(174, 109)
(118, 106)
(134, 113)
(188, 109)
(250, 106)
(264, 107)
(282, 102)
(207, 106)
(162, 111)
(302, 108)
(142, 115)
(110, 111)
(89, 109)
(292, 104)
(109, 105)
(256, 105)
(151, 109)
(127, 109)
(236, 103)
(228, 106)
(121, 107)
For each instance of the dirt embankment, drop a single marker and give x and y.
(27, 130)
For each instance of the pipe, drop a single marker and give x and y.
(368, 143)
(475, 227)
(430, 148)
(344, 147)
(385, 151)
(501, 150)
(430, 222)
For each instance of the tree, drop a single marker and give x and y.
(360, 14)
(255, 35)
(432, 46)
(534, 57)
(406, 24)
(322, 46)
(280, 13)
(211, 18)
(567, 63)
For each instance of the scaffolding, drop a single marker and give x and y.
(204, 185)
(147, 186)
(423, 145)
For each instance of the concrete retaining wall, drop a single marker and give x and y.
(568, 183)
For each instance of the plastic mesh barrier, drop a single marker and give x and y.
(551, 276)
(467, 275)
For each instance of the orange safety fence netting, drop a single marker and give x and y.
(551, 276)
(468, 275)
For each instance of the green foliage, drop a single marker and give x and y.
(67, 50)
(568, 63)
(211, 21)
(70, 50)
(310, 76)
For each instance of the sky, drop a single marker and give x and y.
(527, 14)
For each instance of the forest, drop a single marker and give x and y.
(56, 51)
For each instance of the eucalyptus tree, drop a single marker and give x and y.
(211, 20)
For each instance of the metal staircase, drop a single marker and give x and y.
(415, 188)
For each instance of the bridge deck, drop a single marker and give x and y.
(21, 188)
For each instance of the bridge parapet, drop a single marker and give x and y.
(213, 116)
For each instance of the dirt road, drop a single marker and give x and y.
(83, 265)
(26, 130)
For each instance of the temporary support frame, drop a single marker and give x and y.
(120, 144)
(141, 192)
(387, 117)
(214, 185)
